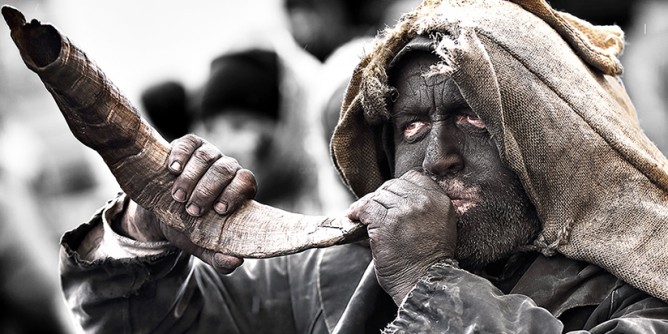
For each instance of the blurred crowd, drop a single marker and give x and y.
(264, 84)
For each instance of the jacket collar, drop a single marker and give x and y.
(559, 284)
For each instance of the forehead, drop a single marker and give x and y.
(417, 85)
(410, 64)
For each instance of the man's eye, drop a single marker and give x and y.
(470, 119)
(413, 129)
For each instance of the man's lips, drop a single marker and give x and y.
(463, 197)
(463, 205)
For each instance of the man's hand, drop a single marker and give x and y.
(411, 225)
(206, 179)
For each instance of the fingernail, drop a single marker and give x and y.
(193, 209)
(220, 207)
(179, 195)
(175, 166)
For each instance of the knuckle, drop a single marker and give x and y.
(398, 186)
(412, 175)
(232, 195)
(185, 182)
(206, 156)
(203, 193)
(246, 176)
(422, 201)
(189, 175)
(182, 148)
(224, 168)
(191, 140)
(247, 181)
(231, 161)
(422, 198)
(186, 143)
(366, 213)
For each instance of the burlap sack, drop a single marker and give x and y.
(547, 86)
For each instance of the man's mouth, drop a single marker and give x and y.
(462, 205)
(463, 197)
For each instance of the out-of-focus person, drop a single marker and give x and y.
(330, 89)
(165, 105)
(242, 113)
(646, 68)
(252, 106)
(30, 298)
(326, 100)
(320, 27)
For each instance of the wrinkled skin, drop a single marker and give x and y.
(464, 203)
(206, 179)
(397, 216)
(452, 198)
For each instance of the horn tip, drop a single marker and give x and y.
(13, 17)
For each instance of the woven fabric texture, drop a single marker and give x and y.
(547, 85)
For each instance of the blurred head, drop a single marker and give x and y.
(240, 105)
(166, 106)
(321, 26)
(246, 80)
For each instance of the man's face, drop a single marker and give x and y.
(435, 131)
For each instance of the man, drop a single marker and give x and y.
(481, 136)
(251, 107)
(249, 110)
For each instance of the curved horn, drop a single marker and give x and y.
(101, 118)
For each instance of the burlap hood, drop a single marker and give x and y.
(547, 86)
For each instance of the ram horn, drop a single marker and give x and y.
(103, 119)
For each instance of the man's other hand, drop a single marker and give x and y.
(411, 225)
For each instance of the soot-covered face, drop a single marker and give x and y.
(435, 131)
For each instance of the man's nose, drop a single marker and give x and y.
(443, 156)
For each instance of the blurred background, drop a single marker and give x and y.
(167, 57)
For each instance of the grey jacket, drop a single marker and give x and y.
(317, 290)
